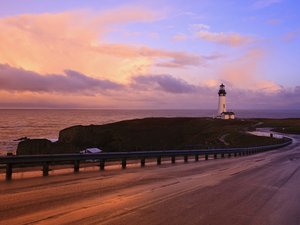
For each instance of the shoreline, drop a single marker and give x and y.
(151, 134)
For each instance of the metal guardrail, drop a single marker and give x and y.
(11, 162)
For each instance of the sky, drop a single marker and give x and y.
(158, 54)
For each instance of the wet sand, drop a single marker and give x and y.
(258, 189)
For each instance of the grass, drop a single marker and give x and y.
(165, 134)
(152, 134)
(288, 126)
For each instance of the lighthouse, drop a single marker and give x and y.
(222, 99)
(222, 112)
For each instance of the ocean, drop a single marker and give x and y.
(46, 123)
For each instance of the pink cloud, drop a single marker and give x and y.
(50, 43)
(159, 57)
(292, 35)
(29, 89)
(179, 37)
(274, 22)
(245, 73)
(166, 83)
(18, 79)
(231, 39)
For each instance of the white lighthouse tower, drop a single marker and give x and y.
(222, 111)
(222, 99)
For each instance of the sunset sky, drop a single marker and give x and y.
(158, 54)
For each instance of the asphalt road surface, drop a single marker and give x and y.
(261, 189)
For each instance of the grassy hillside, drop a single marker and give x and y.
(288, 126)
(153, 134)
(164, 133)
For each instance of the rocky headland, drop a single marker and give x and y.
(158, 134)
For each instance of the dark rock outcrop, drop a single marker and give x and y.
(44, 146)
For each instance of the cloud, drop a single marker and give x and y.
(182, 59)
(274, 22)
(260, 4)
(199, 26)
(245, 72)
(36, 49)
(282, 99)
(190, 14)
(158, 57)
(27, 89)
(291, 36)
(16, 79)
(165, 83)
(50, 42)
(180, 37)
(230, 39)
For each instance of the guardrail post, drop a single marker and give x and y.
(206, 156)
(196, 158)
(45, 169)
(186, 159)
(102, 164)
(234, 154)
(158, 160)
(215, 156)
(142, 162)
(76, 166)
(229, 155)
(222, 155)
(173, 159)
(9, 171)
(124, 163)
(240, 154)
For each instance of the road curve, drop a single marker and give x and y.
(257, 189)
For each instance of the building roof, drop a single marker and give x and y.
(227, 113)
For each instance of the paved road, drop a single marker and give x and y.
(260, 189)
